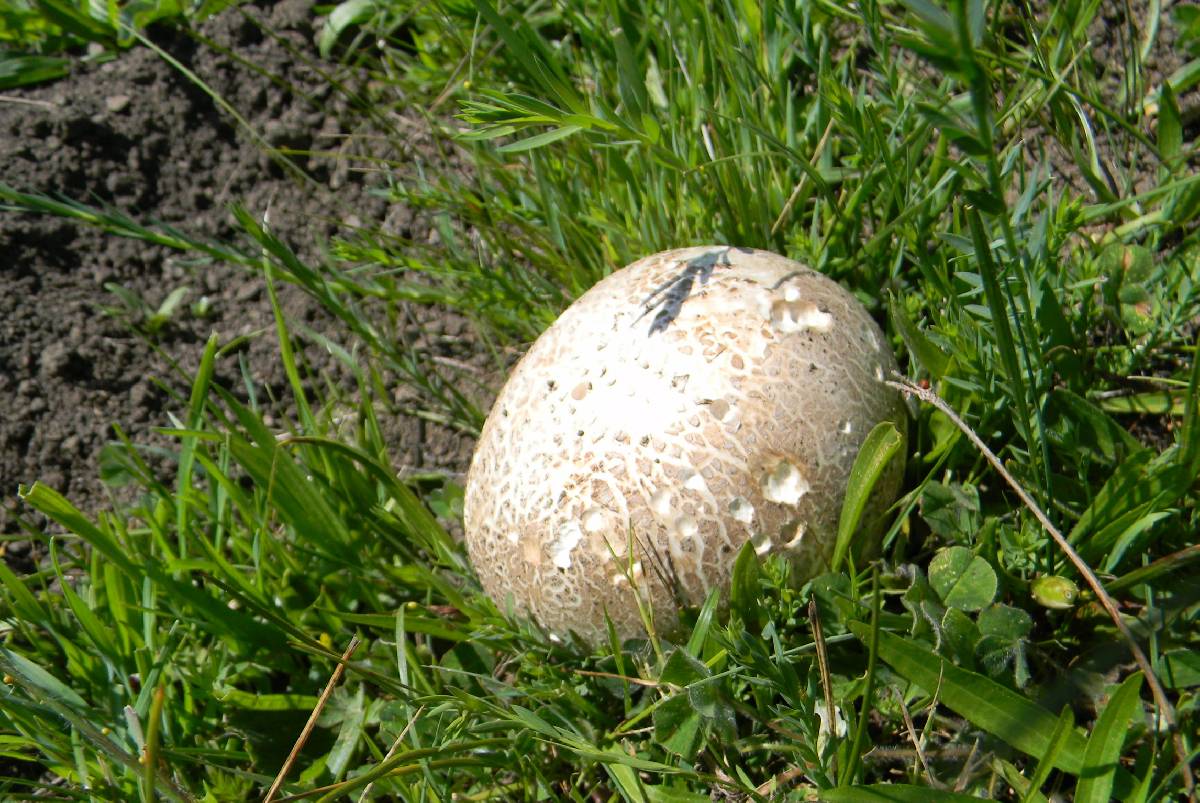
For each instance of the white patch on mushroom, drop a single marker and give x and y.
(660, 502)
(785, 484)
(762, 543)
(878, 373)
(569, 536)
(796, 530)
(619, 579)
(693, 481)
(686, 527)
(846, 427)
(741, 509)
(791, 293)
(593, 520)
(796, 316)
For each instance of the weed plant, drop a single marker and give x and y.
(1026, 232)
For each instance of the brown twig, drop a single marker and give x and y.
(814, 619)
(338, 671)
(917, 744)
(791, 201)
(1165, 709)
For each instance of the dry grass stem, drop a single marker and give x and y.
(334, 679)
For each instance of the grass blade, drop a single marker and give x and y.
(876, 453)
(1005, 343)
(893, 793)
(986, 704)
(1104, 746)
(1062, 730)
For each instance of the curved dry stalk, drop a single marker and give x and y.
(1165, 710)
(312, 720)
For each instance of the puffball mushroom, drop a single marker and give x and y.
(686, 404)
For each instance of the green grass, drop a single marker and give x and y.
(43, 40)
(176, 648)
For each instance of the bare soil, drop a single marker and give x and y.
(138, 135)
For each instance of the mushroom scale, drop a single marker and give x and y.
(688, 403)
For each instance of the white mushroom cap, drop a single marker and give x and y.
(691, 402)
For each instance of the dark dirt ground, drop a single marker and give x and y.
(137, 135)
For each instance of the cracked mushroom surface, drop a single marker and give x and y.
(686, 404)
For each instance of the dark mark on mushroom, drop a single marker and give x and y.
(671, 294)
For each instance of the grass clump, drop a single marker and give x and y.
(40, 40)
(1028, 233)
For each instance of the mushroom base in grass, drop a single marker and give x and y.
(688, 403)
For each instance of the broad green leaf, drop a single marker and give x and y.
(1001, 648)
(1170, 127)
(893, 793)
(1171, 563)
(962, 579)
(951, 511)
(1144, 484)
(1155, 402)
(1004, 621)
(985, 703)
(1180, 669)
(677, 726)
(350, 732)
(877, 451)
(628, 782)
(1140, 309)
(744, 589)
(1104, 745)
(1133, 538)
(682, 669)
(34, 677)
(959, 635)
(344, 16)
